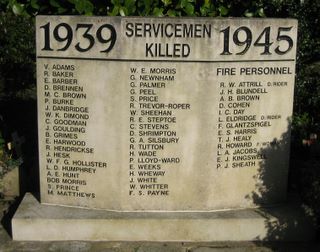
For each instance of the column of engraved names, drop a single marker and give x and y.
(132, 128)
(66, 119)
(155, 130)
(238, 123)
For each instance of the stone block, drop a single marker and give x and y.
(202, 131)
(35, 221)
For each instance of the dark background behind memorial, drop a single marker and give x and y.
(18, 84)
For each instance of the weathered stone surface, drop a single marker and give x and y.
(8, 245)
(179, 114)
(10, 182)
(35, 221)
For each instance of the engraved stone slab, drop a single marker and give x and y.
(140, 114)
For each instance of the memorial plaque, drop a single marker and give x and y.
(184, 114)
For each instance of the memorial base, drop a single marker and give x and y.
(38, 222)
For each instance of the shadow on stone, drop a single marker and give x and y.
(286, 219)
(8, 214)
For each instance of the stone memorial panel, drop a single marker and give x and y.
(142, 114)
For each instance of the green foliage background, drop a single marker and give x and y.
(17, 60)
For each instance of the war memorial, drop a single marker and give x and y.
(162, 129)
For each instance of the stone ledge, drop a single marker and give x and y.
(37, 222)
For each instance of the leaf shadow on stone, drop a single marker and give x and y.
(8, 215)
(285, 218)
